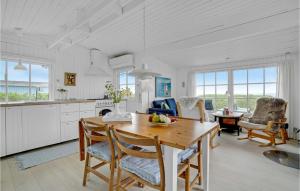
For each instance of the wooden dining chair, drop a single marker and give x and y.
(143, 166)
(197, 113)
(101, 147)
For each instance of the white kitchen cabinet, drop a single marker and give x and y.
(87, 106)
(41, 125)
(69, 107)
(69, 121)
(69, 130)
(3, 136)
(85, 114)
(14, 130)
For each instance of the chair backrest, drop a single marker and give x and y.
(268, 109)
(96, 133)
(209, 105)
(122, 139)
(198, 112)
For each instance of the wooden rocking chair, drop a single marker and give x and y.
(267, 121)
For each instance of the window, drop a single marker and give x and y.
(126, 81)
(213, 86)
(250, 84)
(244, 85)
(20, 85)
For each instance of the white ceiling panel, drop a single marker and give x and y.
(167, 22)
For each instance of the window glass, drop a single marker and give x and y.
(131, 80)
(222, 77)
(39, 82)
(209, 78)
(256, 75)
(271, 89)
(17, 82)
(32, 83)
(210, 91)
(2, 70)
(122, 78)
(271, 74)
(240, 76)
(261, 82)
(2, 81)
(200, 91)
(126, 81)
(199, 79)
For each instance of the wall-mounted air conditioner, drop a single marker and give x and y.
(122, 61)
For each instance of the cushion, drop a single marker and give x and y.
(172, 104)
(268, 109)
(250, 125)
(157, 103)
(183, 155)
(164, 106)
(147, 169)
(101, 150)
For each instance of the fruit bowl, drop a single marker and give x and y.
(160, 120)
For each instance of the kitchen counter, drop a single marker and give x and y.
(46, 102)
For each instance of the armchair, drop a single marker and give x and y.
(267, 121)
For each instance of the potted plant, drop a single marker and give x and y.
(117, 95)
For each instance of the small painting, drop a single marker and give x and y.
(162, 87)
(70, 79)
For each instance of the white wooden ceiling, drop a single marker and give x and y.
(169, 23)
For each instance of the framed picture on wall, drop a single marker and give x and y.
(70, 79)
(162, 87)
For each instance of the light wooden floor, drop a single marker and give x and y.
(235, 166)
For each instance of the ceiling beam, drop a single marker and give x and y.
(82, 20)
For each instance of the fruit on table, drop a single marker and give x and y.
(159, 118)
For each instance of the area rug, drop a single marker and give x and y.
(284, 158)
(44, 155)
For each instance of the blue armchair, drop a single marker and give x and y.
(157, 107)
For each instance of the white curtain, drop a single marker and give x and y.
(285, 88)
(191, 84)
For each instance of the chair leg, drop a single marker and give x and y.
(119, 177)
(187, 178)
(199, 161)
(111, 179)
(85, 172)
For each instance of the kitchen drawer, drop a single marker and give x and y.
(87, 106)
(70, 107)
(69, 130)
(70, 116)
(85, 114)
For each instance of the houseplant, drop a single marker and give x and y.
(117, 95)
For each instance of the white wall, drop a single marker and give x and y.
(75, 59)
(160, 67)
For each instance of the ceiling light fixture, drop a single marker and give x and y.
(19, 66)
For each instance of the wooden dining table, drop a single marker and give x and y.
(174, 138)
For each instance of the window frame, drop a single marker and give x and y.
(231, 84)
(215, 98)
(29, 62)
(254, 83)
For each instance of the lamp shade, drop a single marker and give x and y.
(20, 66)
(143, 73)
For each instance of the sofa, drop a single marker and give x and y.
(165, 106)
